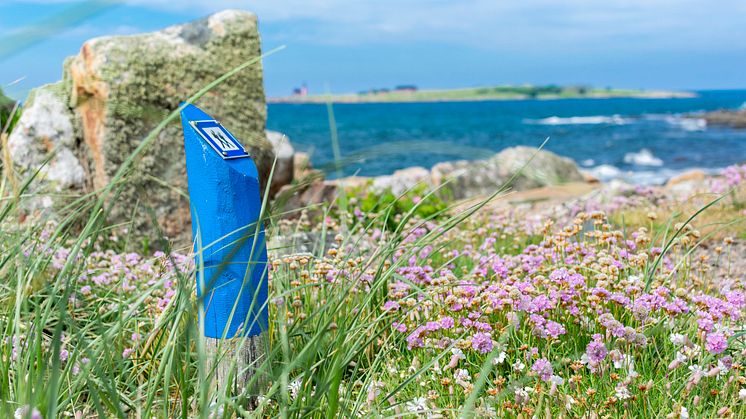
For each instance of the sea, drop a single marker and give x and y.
(641, 141)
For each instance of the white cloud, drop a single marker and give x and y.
(518, 24)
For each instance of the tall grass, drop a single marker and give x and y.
(90, 331)
(69, 346)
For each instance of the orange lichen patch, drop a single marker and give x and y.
(89, 94)
(48, 144)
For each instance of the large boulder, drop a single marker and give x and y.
(119, 88)
(527, 166)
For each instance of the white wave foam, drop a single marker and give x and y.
(643, 157)
(743, 106)
(608, 173)
(587, 162)
(688, 124)
(580, 120)
(680, 121)
(605, 172)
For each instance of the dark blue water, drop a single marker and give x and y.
(643, 140)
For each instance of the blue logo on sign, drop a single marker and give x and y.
(222, 141)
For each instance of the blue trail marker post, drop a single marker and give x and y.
(229, 245)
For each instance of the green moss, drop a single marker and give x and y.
(6, 107)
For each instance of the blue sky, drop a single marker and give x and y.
(352, 45)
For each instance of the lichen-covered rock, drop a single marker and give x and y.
(117, 90)
(47, 128)
(124, 85)
(469, 179)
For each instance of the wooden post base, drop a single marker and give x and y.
(238, 358)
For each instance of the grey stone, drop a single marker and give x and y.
(402, 180)
(44, 140)
(532, 168)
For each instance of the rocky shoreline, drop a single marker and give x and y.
(515, 168)
(725, 117)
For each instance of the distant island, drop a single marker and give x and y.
(410, 93)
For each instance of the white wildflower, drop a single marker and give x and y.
(625, 361)
(294, 388)
(436, 368)
(556, 379)
(462, 375)
(499, 359)
(521, 394)
(723, 368)
(519, 366)
(374, 390)
(742, 394)
(621, 392)
(418, 405)
(678, 339)
(487, 411)
(691, 351)
(458, 352)
(23, 413)
(696, 369)
(684, 414)
(569, 401)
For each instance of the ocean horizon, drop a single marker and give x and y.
(642, 141)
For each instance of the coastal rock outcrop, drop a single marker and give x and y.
(519, 168)
(725, 117)
(119, 88)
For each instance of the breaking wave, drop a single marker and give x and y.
(608, 173)
(643, 157)
(580, 120)
(683, 122)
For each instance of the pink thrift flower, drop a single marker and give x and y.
(555, 329)
(543, 369)
(481, 342)
(716, 343)
(596, 351)
(390, 306)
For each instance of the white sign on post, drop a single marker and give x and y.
(220, 139)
